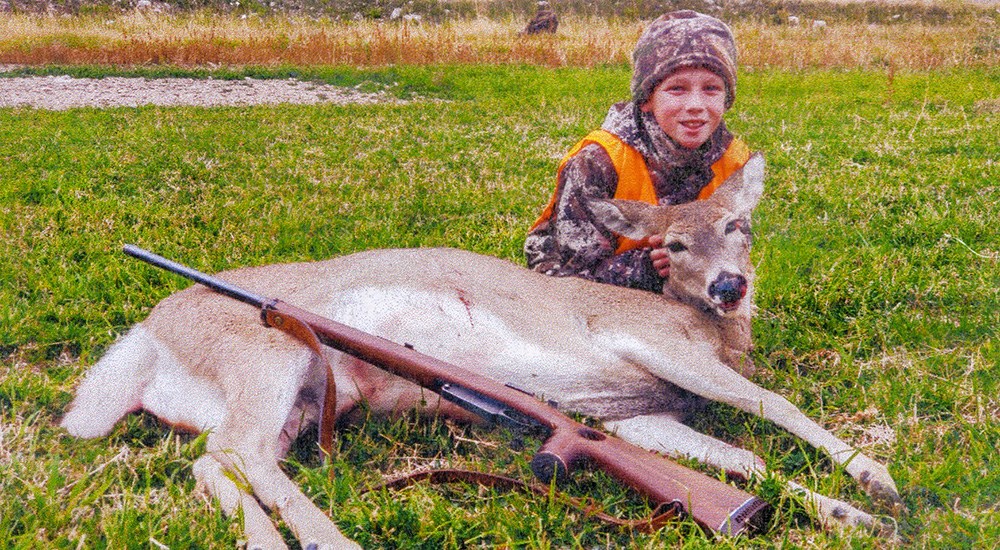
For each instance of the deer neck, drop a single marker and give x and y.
(736, 342)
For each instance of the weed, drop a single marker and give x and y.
(199, 40)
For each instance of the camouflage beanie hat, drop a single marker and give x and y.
(683, 39)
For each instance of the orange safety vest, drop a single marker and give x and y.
(634, 182)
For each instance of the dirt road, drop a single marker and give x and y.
(64, 92)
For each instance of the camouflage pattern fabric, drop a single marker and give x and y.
(683, 39)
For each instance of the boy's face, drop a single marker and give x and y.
(688, 105)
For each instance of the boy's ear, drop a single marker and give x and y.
(635, 220)
(741, 192)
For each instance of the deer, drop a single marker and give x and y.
(639, 362)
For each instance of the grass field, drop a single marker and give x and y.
(876, 243)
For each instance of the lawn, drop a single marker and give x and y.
(876, 247)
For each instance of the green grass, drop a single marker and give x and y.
(876, 244)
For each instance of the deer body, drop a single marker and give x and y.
(638, 361)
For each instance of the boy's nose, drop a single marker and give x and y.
(694, 102)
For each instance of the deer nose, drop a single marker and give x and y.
(728, 288)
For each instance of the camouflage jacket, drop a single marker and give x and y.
(572, 243)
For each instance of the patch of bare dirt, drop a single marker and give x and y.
(65, 92)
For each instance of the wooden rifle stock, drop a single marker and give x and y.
(713, 504)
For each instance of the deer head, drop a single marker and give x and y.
(708, 240)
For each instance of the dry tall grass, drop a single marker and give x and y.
(203, 40)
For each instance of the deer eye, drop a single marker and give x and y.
(676, 246)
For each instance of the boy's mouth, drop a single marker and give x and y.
(693, 124)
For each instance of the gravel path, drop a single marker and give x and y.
(64, 92)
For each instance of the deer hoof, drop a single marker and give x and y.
(884, 495)
(882, 492)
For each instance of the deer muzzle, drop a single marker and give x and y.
(728, 290)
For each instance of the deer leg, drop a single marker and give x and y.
(313, 529)
(713, 380)
(664, 433)
(257, 525)
(249, 444)
(873, 477)
(311, 526)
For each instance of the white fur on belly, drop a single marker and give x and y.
(177, 397)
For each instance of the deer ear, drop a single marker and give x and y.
(741, 192)
(633, 219)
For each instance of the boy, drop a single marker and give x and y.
(669, 145)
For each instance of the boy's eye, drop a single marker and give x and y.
(676, 246)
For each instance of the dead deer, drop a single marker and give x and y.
(637, 361)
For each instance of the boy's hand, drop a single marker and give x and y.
(659, 256)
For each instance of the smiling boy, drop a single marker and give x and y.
(669, 145)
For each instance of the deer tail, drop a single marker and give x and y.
(113, 387)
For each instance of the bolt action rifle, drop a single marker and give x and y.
(713, 504)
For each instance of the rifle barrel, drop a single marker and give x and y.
(214, 283)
